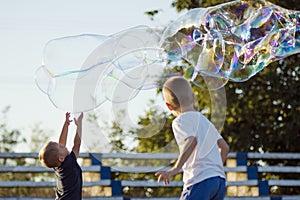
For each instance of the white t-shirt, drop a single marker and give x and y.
(205, 161)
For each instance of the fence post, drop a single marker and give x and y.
(252, 172)
(241, 159)
(263, 188)
(116, 188)
(105, 173)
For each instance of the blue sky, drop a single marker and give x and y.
(26, 26)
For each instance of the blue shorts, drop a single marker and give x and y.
(210, 189)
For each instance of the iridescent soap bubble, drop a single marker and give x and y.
(81, 72)
(227, 42)
(232, 41)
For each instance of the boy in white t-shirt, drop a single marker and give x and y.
(202, 149)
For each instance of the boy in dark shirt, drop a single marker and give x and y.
(67, 171)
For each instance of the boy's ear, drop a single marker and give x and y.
(169, 106)
(61, 158)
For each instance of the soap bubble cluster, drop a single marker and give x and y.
(232, 41)
(228, 42)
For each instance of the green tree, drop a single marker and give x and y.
(9, 138)
(265, 110)
(38, 137)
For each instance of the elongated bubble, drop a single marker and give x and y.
(80, 72)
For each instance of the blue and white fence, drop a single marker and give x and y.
(246, 164)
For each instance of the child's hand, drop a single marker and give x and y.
(163, 176)
(78, 121)
(166, 176)
(68, 121)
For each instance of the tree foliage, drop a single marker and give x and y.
(9, 138)
(263, 112)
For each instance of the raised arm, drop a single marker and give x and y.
(64, 132)
(224, 149)
(188, 148)
(77, 138)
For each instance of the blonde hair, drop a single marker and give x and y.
(49, 155)
(178, 92)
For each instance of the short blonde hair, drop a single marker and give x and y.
(49, 155)
(178, 92)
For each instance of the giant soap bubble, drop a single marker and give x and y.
(228, 42)
(81, 72)
(233, 41)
